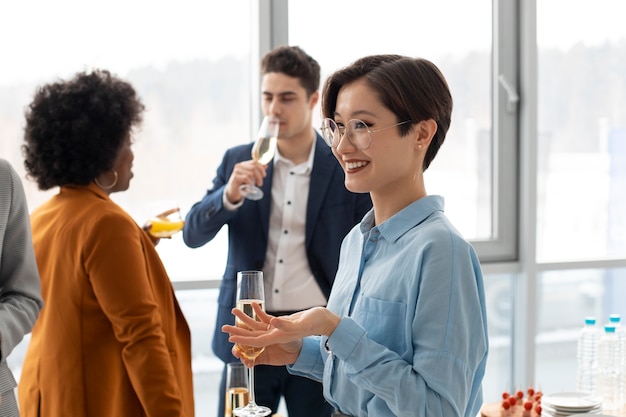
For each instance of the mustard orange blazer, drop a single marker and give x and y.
(111, 339)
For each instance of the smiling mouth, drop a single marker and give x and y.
(356, 165)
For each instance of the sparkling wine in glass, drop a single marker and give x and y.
(262, 151)
(250, 290)
(236, 387)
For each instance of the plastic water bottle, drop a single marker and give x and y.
(587, 355)
(610, 372)
(620, 331)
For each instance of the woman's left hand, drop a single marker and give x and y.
(286, 331)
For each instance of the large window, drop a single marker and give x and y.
(191, 63)
(581, 179)
(480, 194)
(581, 131)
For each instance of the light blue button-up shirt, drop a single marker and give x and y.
(413, 336)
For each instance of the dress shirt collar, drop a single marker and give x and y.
(304, 168)
(404, 220)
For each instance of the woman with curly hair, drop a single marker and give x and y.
(111, 339)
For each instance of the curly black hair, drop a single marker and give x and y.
(75, 129)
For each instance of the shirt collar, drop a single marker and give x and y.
(404, 220)
(304, 168)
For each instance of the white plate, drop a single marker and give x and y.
(571, 401)
(565, 413)
(594, 415)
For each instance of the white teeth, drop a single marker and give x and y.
(355, 165)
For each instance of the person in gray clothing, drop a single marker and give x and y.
(20, 292)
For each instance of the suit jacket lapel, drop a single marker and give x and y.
(265, 203)
(324, 165)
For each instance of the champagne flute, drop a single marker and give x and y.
(236, 387)
(250, 290)
(262, 151)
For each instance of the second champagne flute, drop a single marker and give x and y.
(262, 151)
(250, 290)
(236, 387)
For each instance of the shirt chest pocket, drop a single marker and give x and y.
(384, 321)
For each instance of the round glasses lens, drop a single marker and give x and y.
(358, 133)
(329, 131)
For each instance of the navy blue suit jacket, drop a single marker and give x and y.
(332, 211)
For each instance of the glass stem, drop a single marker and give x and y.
(251, 401)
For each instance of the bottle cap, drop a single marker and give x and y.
(614, 318)
(590, 320)
(609, 328)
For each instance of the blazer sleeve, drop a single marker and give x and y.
(20, 292)
(206, 217)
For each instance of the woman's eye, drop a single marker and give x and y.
(359, 124)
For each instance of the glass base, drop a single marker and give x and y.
(251, 192)
(252, 410)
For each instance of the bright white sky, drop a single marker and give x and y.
(43, 37)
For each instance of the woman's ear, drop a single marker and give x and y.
(426, 130)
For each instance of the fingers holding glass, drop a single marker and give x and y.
(262, 152)
(163, 226)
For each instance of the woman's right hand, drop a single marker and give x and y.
(148, 224)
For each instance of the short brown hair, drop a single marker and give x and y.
(293, 61)
(412, 88)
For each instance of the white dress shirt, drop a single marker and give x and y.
(289, 282)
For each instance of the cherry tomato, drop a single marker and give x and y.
(512, 400)
(531, 392)
(506, 405)
(538, 409)
(520, 394)
(505, 395)
(528, 405)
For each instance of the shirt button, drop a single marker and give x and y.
(276, 291)
(286, 231)
(280, 261)
(288, 203)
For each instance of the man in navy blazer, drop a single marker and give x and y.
(293, 234)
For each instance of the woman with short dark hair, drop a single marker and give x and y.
(405, 330)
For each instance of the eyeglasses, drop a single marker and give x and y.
(359, 134)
